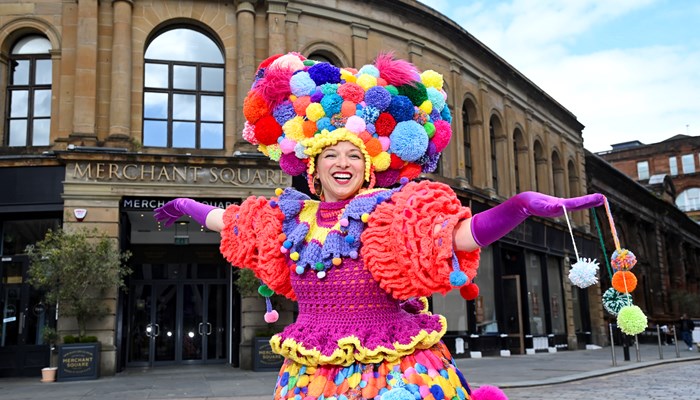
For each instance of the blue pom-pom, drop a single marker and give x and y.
(403, 181)
(436, 98)
(349, 238)
(445, 114)
(369, 69)
(458, 278)
(401, 108)
(324, 123)
(332, 103)
(301, 84)
(287, 244)
(273, 203)
(378, 97)
(398, 394)
(284, 112)
(324, 73)
(408, 140)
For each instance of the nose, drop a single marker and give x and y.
(343, 161)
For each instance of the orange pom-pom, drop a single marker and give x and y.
(624, 281)
(254, 107)
(470, 291)
(310, 128)
(348, 109)
(300, 105)
(373, 146)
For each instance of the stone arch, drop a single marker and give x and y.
(558, 178)
(19, 27)
(520, 159)
(330, 51)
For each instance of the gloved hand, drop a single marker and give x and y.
(174, 209)
(493, 224)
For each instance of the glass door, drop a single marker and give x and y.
(512, 308)
(153, 324)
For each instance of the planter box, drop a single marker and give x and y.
(263, 357)
(79, 361)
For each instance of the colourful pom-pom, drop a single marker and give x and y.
(624, 281)
(613, 301)
(292, 165)
(415, 92)
(487, 392)
(321, 274)
(623, 260)
(319, 266)
(267, 130)
(443, 134)
(378, 97)
(364, 217)
(265, 291)
(401, 108)
(278, 192)
(287, 244)
(409, 140)
(431, 79)
(351, 92)
(584, 273)
(336, 261)
(324, 73)
(294, 256)
(366, 81)
(299, 269)
(458, 278)
(344, 222)
(254, 107)
(315, 111)
(384, 124)
(469, 292)
(355, 124)
(631, 320)
(398, 393)
(271, 317)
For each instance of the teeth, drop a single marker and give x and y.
(342, 175)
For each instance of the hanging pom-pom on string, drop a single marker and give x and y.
(623, 260)
(613, 301)
(624, 281)
(584, 273)
(469, 292)
(631, 320)
(271, 316)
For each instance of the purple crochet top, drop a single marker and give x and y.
(344, 315)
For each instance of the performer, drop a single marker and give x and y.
(361, 261)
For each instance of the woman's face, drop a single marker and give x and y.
(341, 170)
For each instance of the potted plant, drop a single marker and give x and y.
(50, 337)
(76, 269)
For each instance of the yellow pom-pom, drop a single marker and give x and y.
(431, 78)
(315, 111)
(336, 261)
(426, 107)
(347, 76)
(294, 256)
(294, 129)
(263, 149)
(365, 217)
(278, 192)
(366, 81)
(381, 161)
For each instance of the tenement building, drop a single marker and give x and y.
(111, 108)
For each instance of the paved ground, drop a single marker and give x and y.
(564, 375)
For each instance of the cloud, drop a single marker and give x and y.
(637, 92)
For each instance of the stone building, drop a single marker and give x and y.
(114, 107)
(665, 241)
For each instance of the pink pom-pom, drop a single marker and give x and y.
(291, 165)
(287, 146)
(272, 316)
(385, 141)
(274, 87)
(355, 124)
(249, 133)
(395, 72)
(443, 133)
(488, 393)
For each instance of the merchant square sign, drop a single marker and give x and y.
(168, 173)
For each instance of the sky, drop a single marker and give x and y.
(627, 69)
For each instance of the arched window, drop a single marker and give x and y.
(518, 148)
(689, 200)
(466, 123)
(183, 95)
(29, 92)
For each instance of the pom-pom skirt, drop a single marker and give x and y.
(425, 374)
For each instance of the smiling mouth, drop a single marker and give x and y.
(342, 176)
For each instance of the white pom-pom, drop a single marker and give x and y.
(584, 273)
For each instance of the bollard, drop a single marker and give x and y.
(636, 347)
(625, 347)
(529, 345)
(505, 351)
(612, 345)
(675, 341)
(551, 344)
(658, 335)
(473, 346)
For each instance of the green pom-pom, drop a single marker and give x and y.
(265, 291)
(613, 300)
(631, 320)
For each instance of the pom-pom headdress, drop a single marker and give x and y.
(396, 115)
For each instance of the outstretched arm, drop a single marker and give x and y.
(488, 226)
(209, 216)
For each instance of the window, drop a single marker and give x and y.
(688, 163)
(673, 166)
(689, 200)
(494, 161)
(29, 93)
(643, 170)
(467, 143)
(183, 96)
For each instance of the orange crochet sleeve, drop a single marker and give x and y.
(401, 248)
(250, 239)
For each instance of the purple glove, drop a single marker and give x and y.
(493, 224)
(174, 209)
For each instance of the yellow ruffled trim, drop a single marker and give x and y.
(350, 350)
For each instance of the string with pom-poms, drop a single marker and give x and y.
(617, 300)
(271, 315)
(584, 272)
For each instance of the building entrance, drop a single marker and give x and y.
(174, 321)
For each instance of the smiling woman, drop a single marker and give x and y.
(361, 261)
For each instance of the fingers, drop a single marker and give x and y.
(584, 202)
